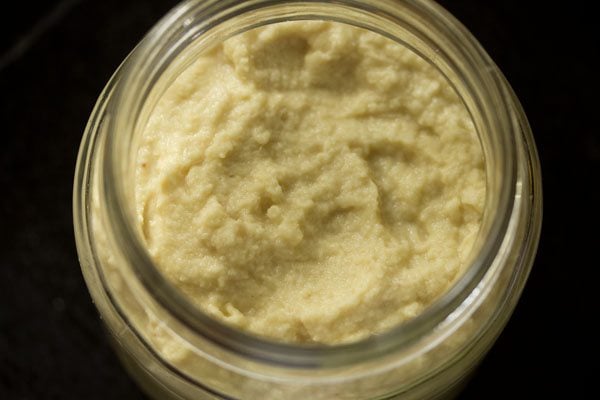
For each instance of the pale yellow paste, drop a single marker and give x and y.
(310, 181)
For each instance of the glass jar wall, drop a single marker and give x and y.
(175, 351)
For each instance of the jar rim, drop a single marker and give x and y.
(131, 79)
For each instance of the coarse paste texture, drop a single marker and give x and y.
(310, 182)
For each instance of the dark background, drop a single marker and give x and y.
(56, 56)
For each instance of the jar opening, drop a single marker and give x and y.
(426, 29)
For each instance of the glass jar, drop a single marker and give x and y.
(175, 351)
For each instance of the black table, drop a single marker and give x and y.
(56, 57)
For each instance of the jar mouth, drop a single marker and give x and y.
(435, 35)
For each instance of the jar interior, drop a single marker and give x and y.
(189, 31)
